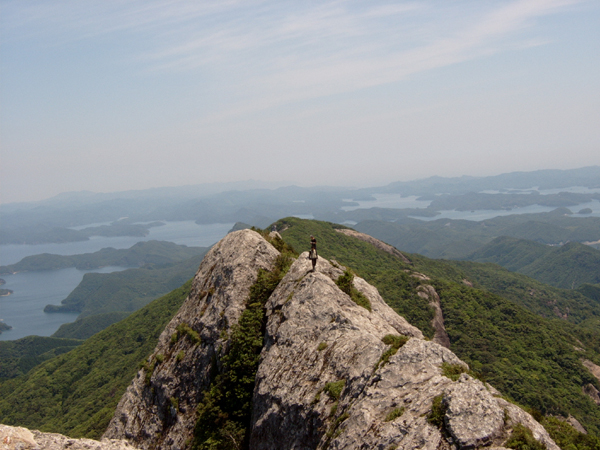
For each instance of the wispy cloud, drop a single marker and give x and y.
(266, 52)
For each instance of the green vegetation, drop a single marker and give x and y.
(567, 437)
(20, 356)
(438, 411)
(43, 234)
(76, 393)
(544, 300)
(452, 371)
(522, 439)
(346, 284)
(394, 414)
(334, 389)
(4, 327)
(184, 330)
(322, 346)
(224, 413)
(395, 342)
(566, 266)
(85, 327)
(458, 239)
(126, 291)
(148, 253)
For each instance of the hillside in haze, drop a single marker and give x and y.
(567, 266)
(132, 213)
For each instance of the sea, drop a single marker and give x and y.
(23, 310)
(32, 291)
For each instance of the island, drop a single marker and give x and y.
(4, 327)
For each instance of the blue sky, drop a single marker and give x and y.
(115, 95)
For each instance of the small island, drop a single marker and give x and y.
(5, 292)
(4, 327)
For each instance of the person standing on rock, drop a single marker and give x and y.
(313, 252)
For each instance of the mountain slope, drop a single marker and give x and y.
(76, 393)
(125, 291)
(531, 359)
(566, 266)
(331, 373)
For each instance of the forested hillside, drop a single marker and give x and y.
(76, 393)
(567, 266)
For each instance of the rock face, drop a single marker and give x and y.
(332, 373)
(158, 409)
(17, 438)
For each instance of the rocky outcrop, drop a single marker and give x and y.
(332, 374)
(158, 409)
(318, 339)
(18, 438)
(428, 292)
(374, 242)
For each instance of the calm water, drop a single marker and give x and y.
(389, 201)
(23, 310)
(182, 233)
(485, 214)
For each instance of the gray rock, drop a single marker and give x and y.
(322, 381)
(316, 335)
(159, 410)
(18, 438)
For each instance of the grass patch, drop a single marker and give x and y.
(394, 414)
(322, 346)
(438, 411)
(184, 330)
(452, 371)
(522, 439)
(334, 389)
(346, 283)
(395, 342)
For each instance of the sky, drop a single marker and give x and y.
(113, 95)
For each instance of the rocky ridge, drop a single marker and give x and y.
(18, 438)
(332, 374)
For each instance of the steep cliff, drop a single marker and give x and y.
(332, 374)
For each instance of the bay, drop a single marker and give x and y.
(32, 291)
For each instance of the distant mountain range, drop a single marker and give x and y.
(567, 266)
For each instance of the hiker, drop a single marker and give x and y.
(313, 252)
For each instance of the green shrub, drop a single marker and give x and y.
(452, 371)
(180, 356)
(346, 283)
(522, 439)
(183, 330)
(438, 411)
(567, 437)
(394, 414)
(395, 342)
(322, 346)
(334, 389)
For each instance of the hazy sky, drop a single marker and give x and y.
(112, 95)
